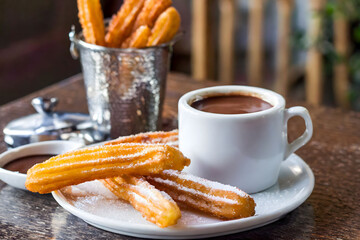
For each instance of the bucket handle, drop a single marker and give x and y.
(73, 49)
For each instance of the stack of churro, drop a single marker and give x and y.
(137, 24)
(144, 170)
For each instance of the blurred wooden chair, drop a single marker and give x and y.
(203, 56)
(314, 62)
(256, 44)
(283, 48)
(227, 20)
(255, 48)
(202, 44)
(203, 47)
(201, 40)
(341, 71)
(314, 70)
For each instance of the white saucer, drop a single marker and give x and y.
(99, 207)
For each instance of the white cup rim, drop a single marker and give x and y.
(275, 99)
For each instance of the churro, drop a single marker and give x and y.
(222, 201)
(170, 138)
(92, 21)
(103, 162)
(165, 28)
(137, 39)
(155, 206)
(150, 12)
(122, 23)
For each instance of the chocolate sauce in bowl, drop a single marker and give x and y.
(23, 164)
(231, 104)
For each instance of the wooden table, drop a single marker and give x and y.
(331, 212)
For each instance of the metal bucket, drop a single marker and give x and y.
(125, 88)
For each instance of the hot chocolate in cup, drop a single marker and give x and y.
(237, 135)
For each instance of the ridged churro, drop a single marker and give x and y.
(165, 28)
(170, 138)
(220, 200)
(122, 23)
(137, 39)
(92, 21)
(103, 162)
(150, 12)
(155, 206)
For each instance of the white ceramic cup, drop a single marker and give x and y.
(243, 150)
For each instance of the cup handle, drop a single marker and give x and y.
(305, 137)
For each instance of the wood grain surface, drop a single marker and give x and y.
(331, 212)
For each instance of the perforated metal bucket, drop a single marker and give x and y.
(125, 87)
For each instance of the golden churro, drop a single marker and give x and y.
(155, 206)
(165, 28)
(150, 12)
(137, 39)
(103, 162)
(92, 21)
(170, 138)
(220, 200)
(121, 24)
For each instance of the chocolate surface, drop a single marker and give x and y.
(231, 104)
(23, 164)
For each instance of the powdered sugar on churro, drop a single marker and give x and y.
(193, 191)
(205, 182)
(150, 137)
(212, 197)
(144, 195)
(94, 158)
(149, 192)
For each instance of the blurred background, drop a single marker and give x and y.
(308, 50)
